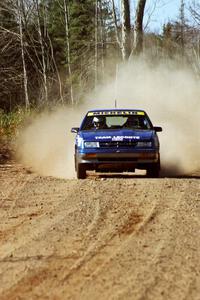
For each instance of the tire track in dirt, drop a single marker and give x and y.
(83, 260)
(89, 226)
(155, 213)
(12, 187)
(39, 220)
(12, 190)
(94, 251)
(111, 244)
(156, 255)
(40, 224)
(101, 239)
(43, 228)
(153, 266)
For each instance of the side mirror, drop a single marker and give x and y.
(157, 128)
(75, 130)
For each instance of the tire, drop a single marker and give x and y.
(80, 171)
(153, 171)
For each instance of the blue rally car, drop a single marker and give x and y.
(117, 140)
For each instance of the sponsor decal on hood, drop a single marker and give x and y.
(117, 137)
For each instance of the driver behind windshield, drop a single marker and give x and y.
(99, 122)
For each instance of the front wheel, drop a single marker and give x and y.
(153, 171)
(81, 171)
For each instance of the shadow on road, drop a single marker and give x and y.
(94, 175)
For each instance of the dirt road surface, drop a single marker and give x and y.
(99, 238)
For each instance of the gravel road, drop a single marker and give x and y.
(99, 238)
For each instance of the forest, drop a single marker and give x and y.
(53, 52)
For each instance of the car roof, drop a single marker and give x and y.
(115, 109)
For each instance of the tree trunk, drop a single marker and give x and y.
(102, 42)
(56, 68)
(96, 46)
(44, 69)
(68, 51)
(19, 6)
(138, 31)
(116, 26)
(182, 27)
(126, 29)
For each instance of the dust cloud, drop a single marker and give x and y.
(171, 97)
(46, 144)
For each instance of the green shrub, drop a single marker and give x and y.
(10, 122)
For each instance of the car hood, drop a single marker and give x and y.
(116, 135)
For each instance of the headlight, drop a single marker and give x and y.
(144, 144)
(79, 141)
(91, 144)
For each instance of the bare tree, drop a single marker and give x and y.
(56, 69)
(19, 11)
(96, 45)
(126, 29)
(194, 9)
(68, 50)
(182, 27)
(118, 39)
(102, 34)
(44, 68)
(138, 29)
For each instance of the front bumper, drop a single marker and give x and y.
(115, 161)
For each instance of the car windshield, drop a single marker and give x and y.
(116, 122)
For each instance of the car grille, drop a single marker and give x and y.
(117, 144)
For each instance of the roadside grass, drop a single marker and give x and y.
(10, 123)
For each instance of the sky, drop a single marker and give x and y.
(162, 11)
(159, 12)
